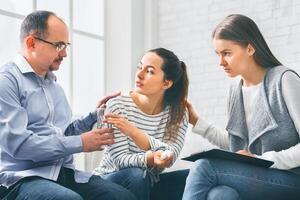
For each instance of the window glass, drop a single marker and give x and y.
(88, 73)
(16, 6)
(9, 40)
(88, 17)
(59, 7)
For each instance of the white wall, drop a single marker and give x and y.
(124, 42)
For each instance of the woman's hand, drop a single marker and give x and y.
(193, 115)
(155, 160)
(121, 123)
(161, 163)
(245, 153)
(129, 129)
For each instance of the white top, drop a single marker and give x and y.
(285, 159)
(250, 94)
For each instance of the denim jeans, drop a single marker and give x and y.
(220, 179)
(170, 185)
(133, 180)
(65, 188)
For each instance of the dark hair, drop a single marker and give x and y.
(244, 31)
(175, 96)
(36, 23)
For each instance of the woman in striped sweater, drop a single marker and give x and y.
(148, 122)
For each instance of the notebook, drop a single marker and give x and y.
(227, 155)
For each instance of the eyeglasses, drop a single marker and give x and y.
(59, 46)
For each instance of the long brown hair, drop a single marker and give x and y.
(175, 96)
(244, 31)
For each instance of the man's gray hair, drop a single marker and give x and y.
(35, 24)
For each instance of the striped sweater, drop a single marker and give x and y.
(124, 153)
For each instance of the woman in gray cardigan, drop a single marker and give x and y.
(264, 122)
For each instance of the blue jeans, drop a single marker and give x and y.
(65, 188)
(132, 179)
(219, 179)
(170, 185)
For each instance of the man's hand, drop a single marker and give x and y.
(103, 101)
(95, 139)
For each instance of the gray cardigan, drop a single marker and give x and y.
(272, 127)
(284, 159)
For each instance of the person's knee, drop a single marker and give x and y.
(111, 190)
(57, 195)
(138, 184)
(39, 188)
(66, 195)
(136, 177)
(120, 193)
(135, 172)
(202, 169)
(223, 192)
(201, 164)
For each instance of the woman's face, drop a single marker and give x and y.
(149, 77)
(233, 58)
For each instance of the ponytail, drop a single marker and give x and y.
(175, 96)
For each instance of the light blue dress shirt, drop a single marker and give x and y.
(37, 137)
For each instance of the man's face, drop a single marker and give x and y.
(46, 56)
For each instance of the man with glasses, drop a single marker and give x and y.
(59, 46)
(37, 137)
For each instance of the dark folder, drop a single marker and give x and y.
(227, 155)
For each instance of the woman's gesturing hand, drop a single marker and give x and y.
(121, 123)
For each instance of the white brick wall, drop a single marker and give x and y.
(185, 27)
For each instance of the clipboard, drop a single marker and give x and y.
(227, 155)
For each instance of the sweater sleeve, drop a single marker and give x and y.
(122, 156)
(213, 134)
(174, 146)
(120, 151)
(288, 158)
